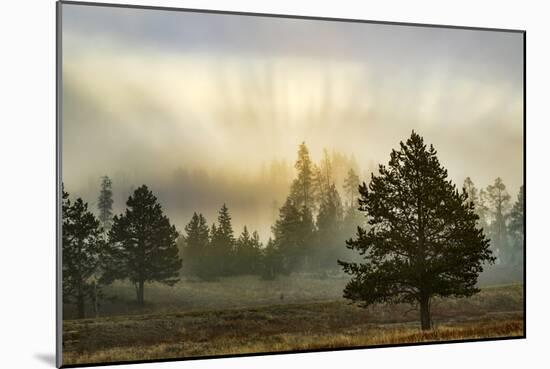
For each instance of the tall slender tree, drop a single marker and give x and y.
(293, 236)
(247, 252)
(517, 227)
(423, 239)
(329, 225)
(142, 245)
(223, 243)
(197, 246)
(82, 243)
(271, 261)
(302, 188)
(105, 203)
(351, 188)
(323, 176)
(498, 201)
(476, 197)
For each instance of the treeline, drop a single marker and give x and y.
(502, 221)
(308, 234)
(141, 245)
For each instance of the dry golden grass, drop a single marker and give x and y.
(227, 345)
(496, 312)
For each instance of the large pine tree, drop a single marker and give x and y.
(142, 245)
(423, 240)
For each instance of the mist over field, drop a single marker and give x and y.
(205, 112)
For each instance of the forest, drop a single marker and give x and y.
(309, 235)
(405, 236)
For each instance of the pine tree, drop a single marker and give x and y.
(82, 243)
(302, 188)
(105, 203)
(271, 261)
(142, 245)
(197, 246)
(323, 177)
(247, 252)
(498, 201)
(477, 198)
(351, 188)
(517, 228)
(423, 240)
(329, 225)
(222, 243)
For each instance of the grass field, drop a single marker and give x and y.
(299, 321)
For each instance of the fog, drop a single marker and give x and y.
(207, 109)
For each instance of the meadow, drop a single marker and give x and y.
(248, 315)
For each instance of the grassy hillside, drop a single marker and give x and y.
(495, 312)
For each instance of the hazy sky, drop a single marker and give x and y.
(146, 92)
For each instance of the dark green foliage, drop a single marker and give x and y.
(82, 244)
(247, 253)
(293, 236)
(222, 243)
(142, 245)
(423, 240)
(271, 261)
(517, 228)
(196, 249)
(105, 203)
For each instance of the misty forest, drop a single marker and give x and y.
(237, 184)
(405, 239)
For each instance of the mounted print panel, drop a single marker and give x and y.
(239, 184)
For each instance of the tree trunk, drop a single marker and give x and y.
(139, 291)
(425, 318)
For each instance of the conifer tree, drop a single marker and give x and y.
(223, 243)
(197, 246)
(302, 191)
(498, 201)
(423, 240)
(476, 197)
(82, 243)
(142, 245)
(329, 225)
(517, 227)
(247, 252)
(351, 188)
(271, 261)
(105, 203)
